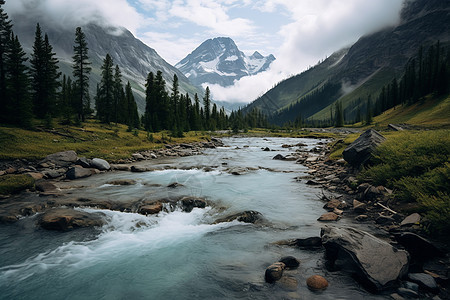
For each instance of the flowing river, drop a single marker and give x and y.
(180, 255)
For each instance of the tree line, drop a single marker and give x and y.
(39, 91)
(428, 72)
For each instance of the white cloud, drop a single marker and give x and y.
(212, 15)
(170, 46)
(318, 28)
(79, 13)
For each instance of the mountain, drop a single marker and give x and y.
(351, 74)
(219, 61)
(134, 58)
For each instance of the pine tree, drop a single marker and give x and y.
(369, 113)
(207, 104)
(149, 103)
(133, 116)
(339, 118)
(45, 74)
(5, 35)
(118, 97)
(105, 96)
(81, 70)
(174, 104)
(17, 87)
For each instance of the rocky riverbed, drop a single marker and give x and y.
(410, 265)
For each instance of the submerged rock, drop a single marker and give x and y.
(360, 151)
(376, 263)
(63, 219)
(189, 203)
(274, 272)
(316, 282)
(122, 182)
(279, 157)
(249, 216)
(151, 209)
(290, 262)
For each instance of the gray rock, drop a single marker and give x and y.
(100, 164)
(52, 174)
(45, 186)
(63, 219)
(328, 217)
(424, 280)
(419, 247)
(63, 159)
(290, 262)
(360, 151)
(376, 263)
(395, 127)
(138, 169)
(78, 172)
(84, 162)
(407, 293)
(279, 157)
(411, 220)
(138, 156)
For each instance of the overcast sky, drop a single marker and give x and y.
(298, 33)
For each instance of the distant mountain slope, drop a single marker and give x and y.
(220, 61)
(373, 61)
(134, 58)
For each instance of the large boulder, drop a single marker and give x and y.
(78, 172)
(63, 159)
(376, 263)
(419, 247)
(100, 164)
(359, 152)
(63, 219)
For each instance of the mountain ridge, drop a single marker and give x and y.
(370, 63)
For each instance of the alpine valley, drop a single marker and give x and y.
(351, 75)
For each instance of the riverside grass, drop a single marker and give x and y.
(416, 165)
(14, 183)
(93, 139)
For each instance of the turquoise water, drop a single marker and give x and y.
(178, 255)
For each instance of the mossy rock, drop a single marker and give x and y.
(12, 183)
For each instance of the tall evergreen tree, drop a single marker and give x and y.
(17, 87)
(5, 35)
(118, 97)
(339, 118)
(45, 74)
(81, 71)
(105, 96)
(174, 104)
(369, 113)
(149, 103)
(207, 104)
(133, 116)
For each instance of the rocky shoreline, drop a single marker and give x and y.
(400, 262)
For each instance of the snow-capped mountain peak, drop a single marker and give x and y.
(220, 61)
